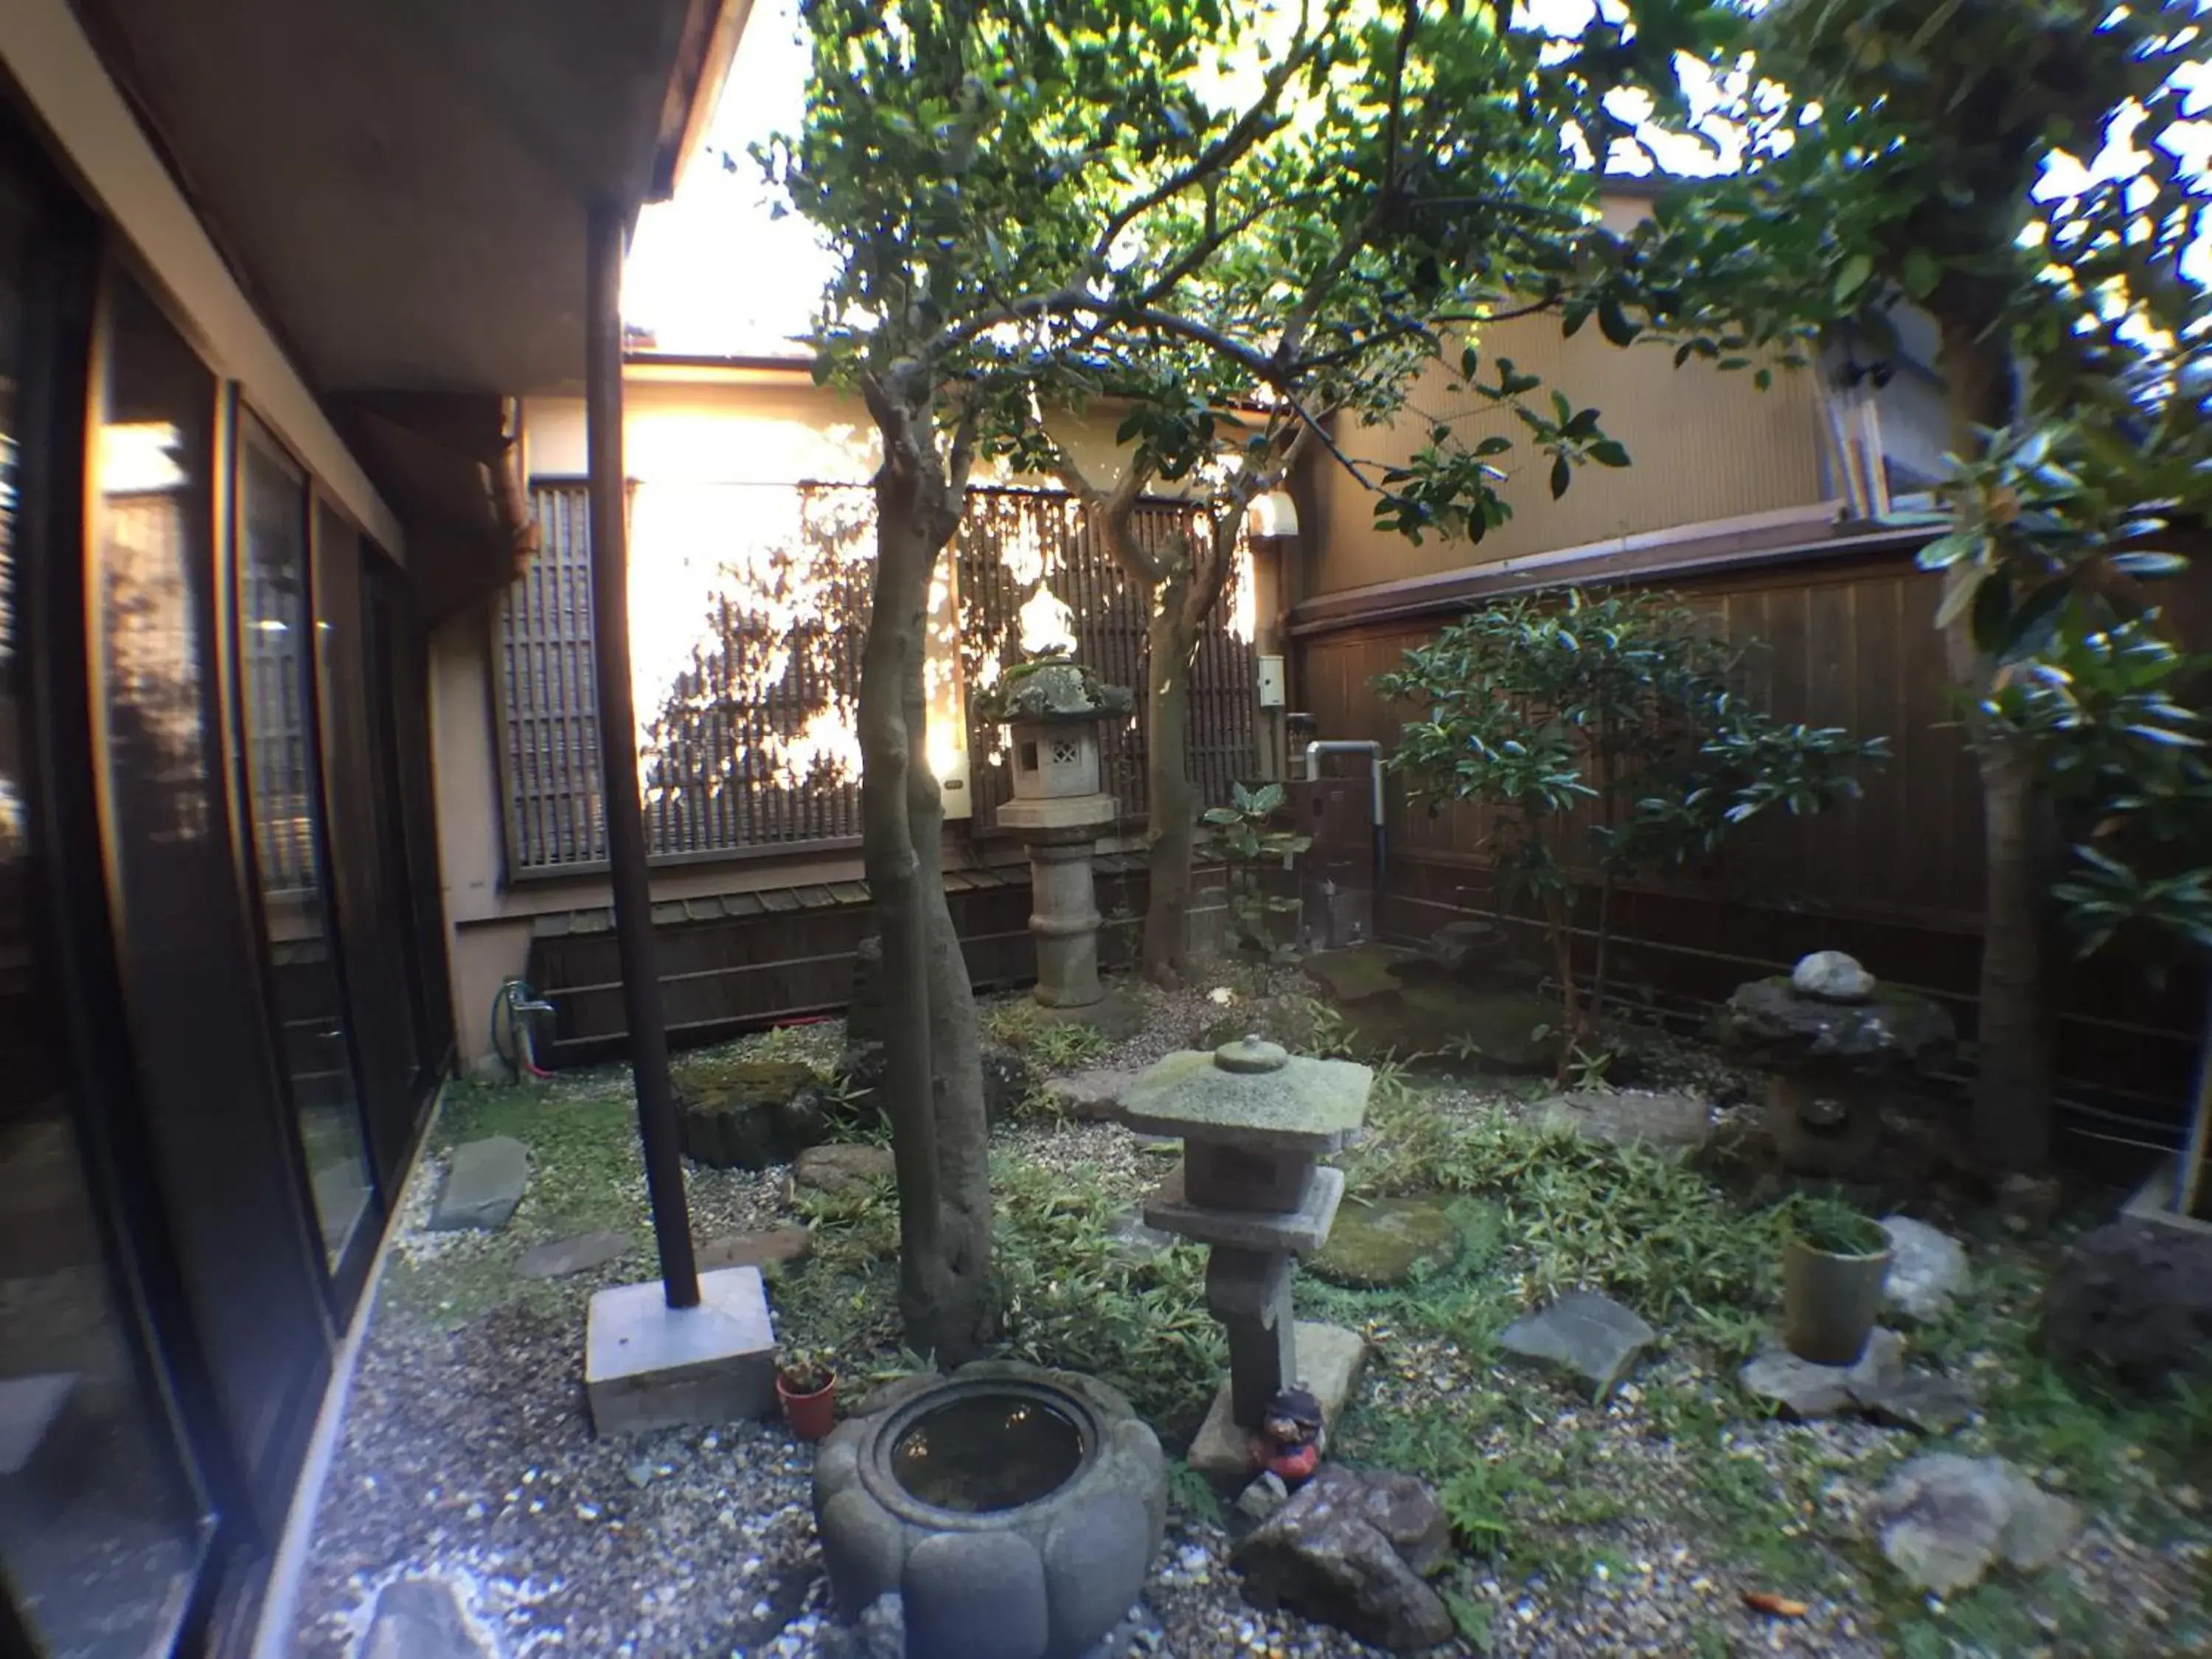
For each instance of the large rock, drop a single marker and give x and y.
(484, 1184)
(1094, 1096)
(2133, 1300)
(1387, 1241)
(1927, 1268)
(1943, 1519)
(558, 1258)
(1589, 1337)
(746, 1114)
(1832, 976)
(842, 1169)
(1323, 1556)
(1630, 1117)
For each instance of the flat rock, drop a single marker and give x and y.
(1497, 1026)
(1927, 1268)
(1802, 1390)
(1589, 1337)
(786, 1246)
(1387, 1241)
(1322, 1555)
(483, 1183)
(421, 1619)
(843, 1168)
(1361, 971)
(1628, 1117)
(1091, 1097)
(1330, 1358)
(1944, 1520)
(559, 1257)
(1926, 1404)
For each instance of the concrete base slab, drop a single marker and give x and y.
(649, 1366)
(1330, 1358)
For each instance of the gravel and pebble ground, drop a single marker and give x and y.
(468, 1456)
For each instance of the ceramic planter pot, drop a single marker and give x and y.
(1830, 1302)
(812, 1416)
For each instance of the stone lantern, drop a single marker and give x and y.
(1255, 1121)
(1052, 710)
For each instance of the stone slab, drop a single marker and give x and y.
(1305, 1228)
(649, 1366)
(1093, 1096)
(1387, 1241)
(30, 1407)
(1626, 1117)
(1310, 1105)
(558, 1258)
(1801, 1389)
(1589, 1336)
(783, 1245)
(483, 1183)
(1927, 1268)
(1330, 1358)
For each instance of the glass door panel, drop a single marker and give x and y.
(275, 623)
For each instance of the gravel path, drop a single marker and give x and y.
(468, 1456)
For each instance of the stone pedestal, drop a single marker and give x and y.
(1253, 1122)
(1060, 833)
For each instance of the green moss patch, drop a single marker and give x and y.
(1387, 1241)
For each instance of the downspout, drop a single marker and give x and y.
(1373, 750)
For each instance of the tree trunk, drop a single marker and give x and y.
(932, 1080)
(2012, 1109)
(1170, 835)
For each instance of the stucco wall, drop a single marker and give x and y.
(1705, 446)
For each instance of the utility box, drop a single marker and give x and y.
(1269, 682)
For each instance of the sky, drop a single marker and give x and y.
(713, 271)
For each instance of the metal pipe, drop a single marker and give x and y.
(1373, 750)
(641, 1003)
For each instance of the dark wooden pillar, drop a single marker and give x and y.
(641, 1005)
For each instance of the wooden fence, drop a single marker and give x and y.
(1895, 877)
(749, 742)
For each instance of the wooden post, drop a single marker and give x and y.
(641, 1005)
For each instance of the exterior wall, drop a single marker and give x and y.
(686, 429)
(50, 58)
(1705, 445)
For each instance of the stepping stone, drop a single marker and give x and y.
(1926, 1404)
(787, 1245)
(1927, 1268)
(1387, 1243)
(1622, 1117)
(483, 1183)
(1588, 1336)
(842, 1169)
(1362, 970)
(1943, 1519)
(421, 1619)
(562, 1256)
(1091, 1097)
(1802, 1390)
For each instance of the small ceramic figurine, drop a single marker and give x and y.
(1289, 1445)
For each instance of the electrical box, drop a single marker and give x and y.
(1270, 681)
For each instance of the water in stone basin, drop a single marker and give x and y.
(989, 1452)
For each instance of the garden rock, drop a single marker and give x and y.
(1927, 1268)
(1322, 1556)
(747, 1113)
(842, 1169)
(1586, 1335)
(1926, 1404)
(2133, 1300)
(484, 1184)
(1473, 948)
(420, 1618)
(1387, 1241)
(559, 1257)
(769, 1246)
(1356, 972)
(1263, 1496)
(1804, 1390)
(1943, 1519)
(1091, 1097)
(1832, 976)
(1622, 1117)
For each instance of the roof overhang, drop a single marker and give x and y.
(402, 187)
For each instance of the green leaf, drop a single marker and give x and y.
(1562, 475)
(1858, 271)
(1610, 452)
(1923, 270)
(1613, 323)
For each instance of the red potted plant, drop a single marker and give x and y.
(806, 1384)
